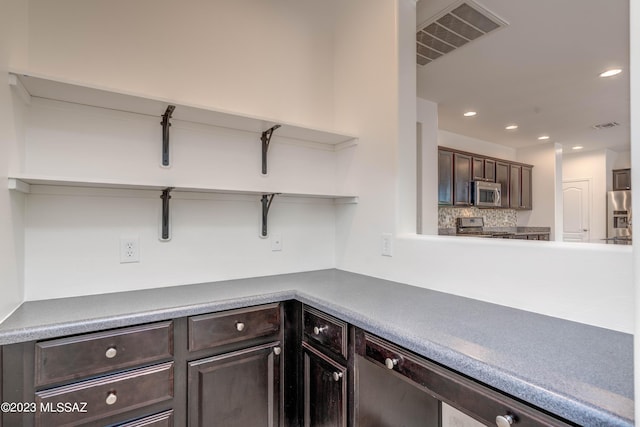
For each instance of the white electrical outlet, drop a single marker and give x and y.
(276, 242)
(387, 244)
(129, 249)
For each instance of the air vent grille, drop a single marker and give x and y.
(458, 25)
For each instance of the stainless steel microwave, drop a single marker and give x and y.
(486, 194)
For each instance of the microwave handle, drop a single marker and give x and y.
(498, 197)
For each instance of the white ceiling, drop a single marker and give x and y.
(540, 72)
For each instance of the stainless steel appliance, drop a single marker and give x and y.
(485, 194)
(619, 217)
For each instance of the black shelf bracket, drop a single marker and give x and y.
(165, 134)
(266, 139)
(266, 200)
(164, 233)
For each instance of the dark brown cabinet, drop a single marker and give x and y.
(325, 390)
(621, 179)
(325, 373)
(502, 178)
(236, 389)
(461, 179)
(456, 170)
(445, 177)
(484, 169)
(520, 187)
(313, 370)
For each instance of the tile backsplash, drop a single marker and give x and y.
(492, 217)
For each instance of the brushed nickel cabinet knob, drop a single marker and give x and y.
(277, 351)
(111, 398)
(504, 420)
(319, 330)
(337, 376)
(240, 326)
(111, 352)
(390, 363)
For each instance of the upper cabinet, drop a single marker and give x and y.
(456, 170)
(621, 179)
(462, 167)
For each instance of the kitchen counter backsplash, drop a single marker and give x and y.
(492, 217)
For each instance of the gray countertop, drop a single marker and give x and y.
(579, 372)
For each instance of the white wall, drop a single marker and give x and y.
(475, 145)
(428, 117)
(266, 58)
(12, 20)
(278, 63)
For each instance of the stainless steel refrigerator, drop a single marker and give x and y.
(619, 217)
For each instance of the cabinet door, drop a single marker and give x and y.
(385, 399)
(490, 170)
(325, 391)
(445, 177)
(462, 176)
(236, 389)
(622, 179)
(502, 177)
(478, 169)
(526, 201)
(515, 184)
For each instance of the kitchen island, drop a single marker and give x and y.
(576, 372)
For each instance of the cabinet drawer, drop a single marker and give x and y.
(211, 330)
(105, 396)
(85, 355)
(475, 400)
(324, 330)
(163, 419)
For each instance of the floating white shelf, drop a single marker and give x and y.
(95, 96)
(22, 182)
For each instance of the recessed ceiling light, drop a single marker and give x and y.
(611, 72)
(470, 114)
(511, 127)
(577, 147)
(543, 137)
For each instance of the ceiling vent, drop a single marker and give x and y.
(606, 125)
(459, 24)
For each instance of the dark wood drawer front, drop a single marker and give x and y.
(164, 419)
(211, 330)
(475, 400)
(105, 396)
(327, 331)
(85, 355)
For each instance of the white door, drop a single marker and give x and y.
(575, 208)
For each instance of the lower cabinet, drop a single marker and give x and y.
(237, 389)
(387, 400)
(434, 385)
(325, 390)
(274, 365)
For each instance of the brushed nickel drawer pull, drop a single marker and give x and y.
(240, 326)
(111, 398)
(319, 330)
(390, 363)
(111, 352)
